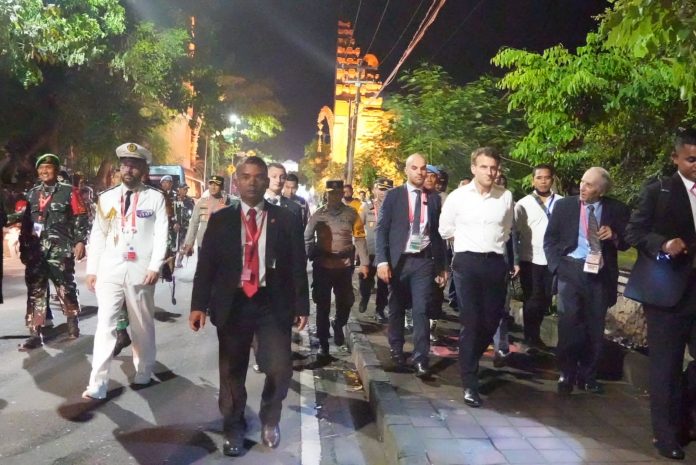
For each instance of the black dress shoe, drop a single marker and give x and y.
(323, 353)
(472, 398)
(398, 358)
(670, 451)
(270, 436)
(381, 317)
(233, 446)
(339, 337)
(362, 308)
(123, 340)
(422, 370)
(565, 385)
(593, 386)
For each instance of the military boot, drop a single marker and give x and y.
(73, 328)
(34, 341)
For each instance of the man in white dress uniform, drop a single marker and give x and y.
(127, 246)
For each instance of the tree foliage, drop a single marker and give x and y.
(65, 32)
(434, 116)
(598, 106)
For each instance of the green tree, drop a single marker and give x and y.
(434, 116)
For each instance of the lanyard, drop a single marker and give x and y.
(546, 208)
(124, 217)
(424, 208)
(44, 200)
(250, 240)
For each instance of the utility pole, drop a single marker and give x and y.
(353, 122)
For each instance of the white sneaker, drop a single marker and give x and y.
(94, 394)
(142, 378)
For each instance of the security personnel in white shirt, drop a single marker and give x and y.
(127, 248)
(532, 214)
(479, 217)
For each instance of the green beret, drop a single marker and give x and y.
(48, 158)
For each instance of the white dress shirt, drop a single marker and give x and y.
(478, 222)
(262, 239)
(692, 199)
(425, 235)
(531, 221)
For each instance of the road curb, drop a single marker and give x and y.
(402, 445)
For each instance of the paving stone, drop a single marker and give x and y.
(524, 456)
(548, 443)
(501, 432)
(444, 451)
(535, 432)
(434, 432)
(468, 431)
(511, 444)
(561, 456)
(494, 421)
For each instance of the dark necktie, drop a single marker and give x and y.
(274, 200)
(415, 227)
(127, 204)
(251, 257)
(593, 230)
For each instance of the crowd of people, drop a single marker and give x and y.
(410, 241)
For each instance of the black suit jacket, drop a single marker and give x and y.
(393, 228)
(220, 263)
(652, 224)
(561, 237)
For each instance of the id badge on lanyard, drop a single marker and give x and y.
(415, 240)
(129, 254)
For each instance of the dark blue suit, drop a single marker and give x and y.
(412, 274)
(583, 298)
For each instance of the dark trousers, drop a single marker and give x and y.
(411, 283)
(536, 281)
(582, 310)
(480, 283)
(253, 316)
(368, 283)
(672, 393)
(323, 281)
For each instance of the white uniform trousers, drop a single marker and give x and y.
(140, 302)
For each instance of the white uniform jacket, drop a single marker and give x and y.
(142, 230)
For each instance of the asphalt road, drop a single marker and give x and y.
(326, 419)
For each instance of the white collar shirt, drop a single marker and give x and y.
(478, 222)
(425, 235)
(531, 221)
(691, 193)
(272, 198)
(260, 223)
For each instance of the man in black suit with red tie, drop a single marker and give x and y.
(410, 254)
(662, 227)
(581, 243)
(251, 279)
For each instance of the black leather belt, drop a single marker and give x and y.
(484, 254)
(425, 253)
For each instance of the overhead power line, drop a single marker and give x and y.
(413, 16)
(357, 13)
(381, 18)
(458, 28)
(425, 24)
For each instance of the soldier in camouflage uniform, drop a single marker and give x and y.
(183, 210)
(54, 228)
(170, 196)
(329, 242)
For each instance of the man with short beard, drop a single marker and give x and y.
(128, 244)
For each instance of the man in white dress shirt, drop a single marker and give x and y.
(531, 219)
(479, 217)
(127, 246)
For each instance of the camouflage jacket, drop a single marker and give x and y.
(183, 210)
(57, 215)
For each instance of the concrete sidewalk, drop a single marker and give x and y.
(522, 420)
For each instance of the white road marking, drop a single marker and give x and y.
(310, 443)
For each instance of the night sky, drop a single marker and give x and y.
(292, 43)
